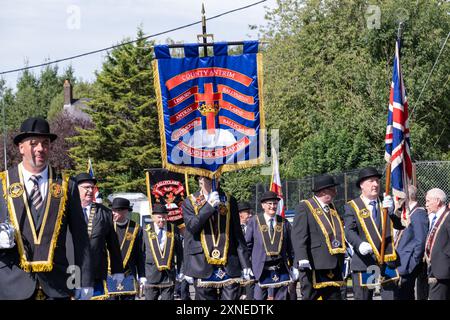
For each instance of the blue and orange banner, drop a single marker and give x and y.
(210, 109)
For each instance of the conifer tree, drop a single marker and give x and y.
(124, 140)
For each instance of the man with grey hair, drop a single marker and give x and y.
(437, 246)
(410, 246)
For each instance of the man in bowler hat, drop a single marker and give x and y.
(268, 238)
(102, 236)
(131, 241)
(363, 229)
(41, 205)
(319, 242)
(163, 257)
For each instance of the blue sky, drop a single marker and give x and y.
(40, 30)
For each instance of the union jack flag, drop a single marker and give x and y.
(397, 138)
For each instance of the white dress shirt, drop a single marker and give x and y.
(164, 237)
(42, 182)
(437, 214)
(267, 218)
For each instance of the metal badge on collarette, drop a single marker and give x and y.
(129, 236)
(215, 254)
(364, 213)
(264, 228)
(16, 190)
(56, 190)
(335, 243)
(319, 211)
(278, 228)
(223, 210)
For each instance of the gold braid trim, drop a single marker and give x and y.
(275, 285)
(130, 248)
(153, 250)
(211, 260)
(105, 295)
(217, 284)
(37, 266)
(324, 230)
(387, 257)
(272, 253)
(226, 167)
(325, 284)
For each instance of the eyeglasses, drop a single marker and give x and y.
(87, 188)
(271, 203)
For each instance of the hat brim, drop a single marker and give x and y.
(121, 207)
(325, 187)
(90, 179)
(272, 198)
(244, 209)
(21, 136)
(365, 178)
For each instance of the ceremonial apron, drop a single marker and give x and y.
(162, 258)
(333, 231)
(273, 275)
(373, 236)
(214, 238)
(128, 285)
(41, 236)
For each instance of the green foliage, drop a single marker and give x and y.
(125, 139)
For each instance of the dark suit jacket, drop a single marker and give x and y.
(411, 245)
(18, 284)
(154, 276)
(255, 244)
(103, 237)
(355, 236)
(195, 264)
(440, 255)
(309, 242)
(136, 261)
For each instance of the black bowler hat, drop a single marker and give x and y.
(33, 127)
(367, 173)
(159, 209)
(244, 205)
(269, 195)
(85, 177)
(322, 182)
(121, 203)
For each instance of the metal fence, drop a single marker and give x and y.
(427, 175)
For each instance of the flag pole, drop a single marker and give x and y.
(149, 195)
(388, 182)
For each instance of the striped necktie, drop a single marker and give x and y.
(35, 194)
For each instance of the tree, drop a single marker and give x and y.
(125, 137)
(327, 79)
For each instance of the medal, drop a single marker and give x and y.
(215, 254)
(335, 243)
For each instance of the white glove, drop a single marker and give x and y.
(189, 280)
(304, 264)
(213, 199)
(117, 277)
(293, 272)
(179, 277)
(5, 242)
(142, 281)
(85, 293)
(247, 274)
(388, 203)
(365, 248)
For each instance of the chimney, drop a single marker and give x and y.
(67, 93)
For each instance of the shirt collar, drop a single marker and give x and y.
(27, 174)
(267, 217)
(321, 203)
(439, 212)
(367, 201)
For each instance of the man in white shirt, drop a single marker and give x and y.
(41, 205)
(164, 255)
(437, 246)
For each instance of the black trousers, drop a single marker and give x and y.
(422, 282)
(230, 292)
(407, 284)
(153, 293)
(440, 290)
(389, 291)
(310, 293)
